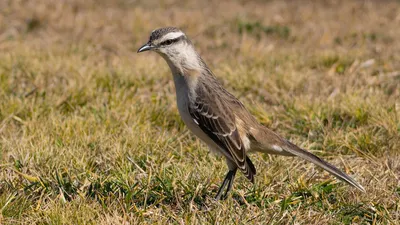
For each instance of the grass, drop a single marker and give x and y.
(90, 132)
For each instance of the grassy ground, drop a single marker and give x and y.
(90, 133)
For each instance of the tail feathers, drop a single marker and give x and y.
(293, 149)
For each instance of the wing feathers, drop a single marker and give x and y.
(218, 121)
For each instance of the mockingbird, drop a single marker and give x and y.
(217, 117)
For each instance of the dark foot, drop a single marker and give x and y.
(230, 176)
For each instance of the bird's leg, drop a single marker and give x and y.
(230, 176)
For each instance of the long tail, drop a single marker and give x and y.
(295, 150)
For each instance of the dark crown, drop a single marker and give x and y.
(158, 33)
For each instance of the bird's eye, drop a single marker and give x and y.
(168, 42)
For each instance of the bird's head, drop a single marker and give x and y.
(174, 46)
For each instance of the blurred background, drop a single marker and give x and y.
(90, 133)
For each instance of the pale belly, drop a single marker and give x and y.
(193, 127)
(182, 100)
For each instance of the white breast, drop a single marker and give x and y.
(182, 99)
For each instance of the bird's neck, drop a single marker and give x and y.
(186, 73)
(183, 58)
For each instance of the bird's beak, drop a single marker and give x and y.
(146, 47)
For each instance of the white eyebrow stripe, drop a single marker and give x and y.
(171, 35)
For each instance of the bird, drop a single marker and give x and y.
(217, 117)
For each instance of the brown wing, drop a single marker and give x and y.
(218, 122)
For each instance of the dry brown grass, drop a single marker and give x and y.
(90, 133)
